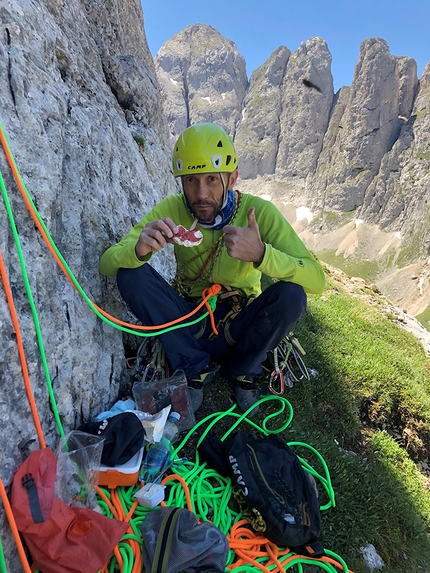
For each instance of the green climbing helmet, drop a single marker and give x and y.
(204, 148)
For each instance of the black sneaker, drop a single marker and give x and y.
(246, 393)
(197, 382)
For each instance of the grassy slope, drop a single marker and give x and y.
(368, 413)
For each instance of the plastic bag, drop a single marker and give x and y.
(78, 462)
(155, 395)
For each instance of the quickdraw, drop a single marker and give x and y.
(285, 365)
(277, 373)
(252, 514)
(150, 362)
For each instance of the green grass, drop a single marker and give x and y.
(139, 140)
(367, 412)
(352, 266)
(332, 219)
(358, 266)
(424, 318)
(412, 251)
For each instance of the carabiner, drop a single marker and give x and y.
(277, 374)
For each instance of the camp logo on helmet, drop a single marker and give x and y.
(193, 167)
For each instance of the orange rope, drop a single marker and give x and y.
(249, 546)
(134, 545)
(21, 352)
(14, 528)
(211, 291)
(184, 485)
(118, 512)
(107, 501)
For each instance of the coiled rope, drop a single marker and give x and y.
(208, 494)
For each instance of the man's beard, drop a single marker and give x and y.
(212, 208)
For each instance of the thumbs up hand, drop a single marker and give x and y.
(244, 243)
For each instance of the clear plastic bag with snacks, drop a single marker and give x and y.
(155, 395)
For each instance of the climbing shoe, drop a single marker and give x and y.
(246, 393)
(197, 382)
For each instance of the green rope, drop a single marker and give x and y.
(326, 482)
(32, 304)
(211, 301)
(2, 559)
(211, 493)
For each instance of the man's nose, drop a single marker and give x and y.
(202, 189)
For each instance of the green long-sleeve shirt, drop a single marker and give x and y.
(286, 258)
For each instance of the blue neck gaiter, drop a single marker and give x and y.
(223, 216)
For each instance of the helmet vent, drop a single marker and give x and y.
(179, 165)
(216, 161)
(228, 159)
(219, 144)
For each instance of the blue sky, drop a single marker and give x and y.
(259, 27)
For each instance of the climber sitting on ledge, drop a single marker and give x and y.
(243, 237)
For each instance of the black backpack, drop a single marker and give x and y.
(281, 495)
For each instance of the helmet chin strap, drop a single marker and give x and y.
(225, 189)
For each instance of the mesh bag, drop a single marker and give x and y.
(173, 541)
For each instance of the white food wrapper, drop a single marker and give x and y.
(153, 424)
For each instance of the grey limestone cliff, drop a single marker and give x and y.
(81, 109)
(381, 95)
(259, 128)
(203, 78)
(397, 198)
(305, 112)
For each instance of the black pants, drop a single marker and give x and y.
(258, 328)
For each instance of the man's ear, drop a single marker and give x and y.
(232, 179)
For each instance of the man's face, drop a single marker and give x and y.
(205, 193)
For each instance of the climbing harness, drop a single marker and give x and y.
(237, 302)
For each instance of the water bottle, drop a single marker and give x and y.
(158, 458)
(171, 429)
(156, 461)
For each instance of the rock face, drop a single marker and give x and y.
(381, 96)
(259, 129)
(397, 198)
(305, 111)
(328, 150)
(82, 112)
(203, 78)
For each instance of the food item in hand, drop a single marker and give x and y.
(186, 238)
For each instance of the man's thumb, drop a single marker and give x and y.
(252, 222)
